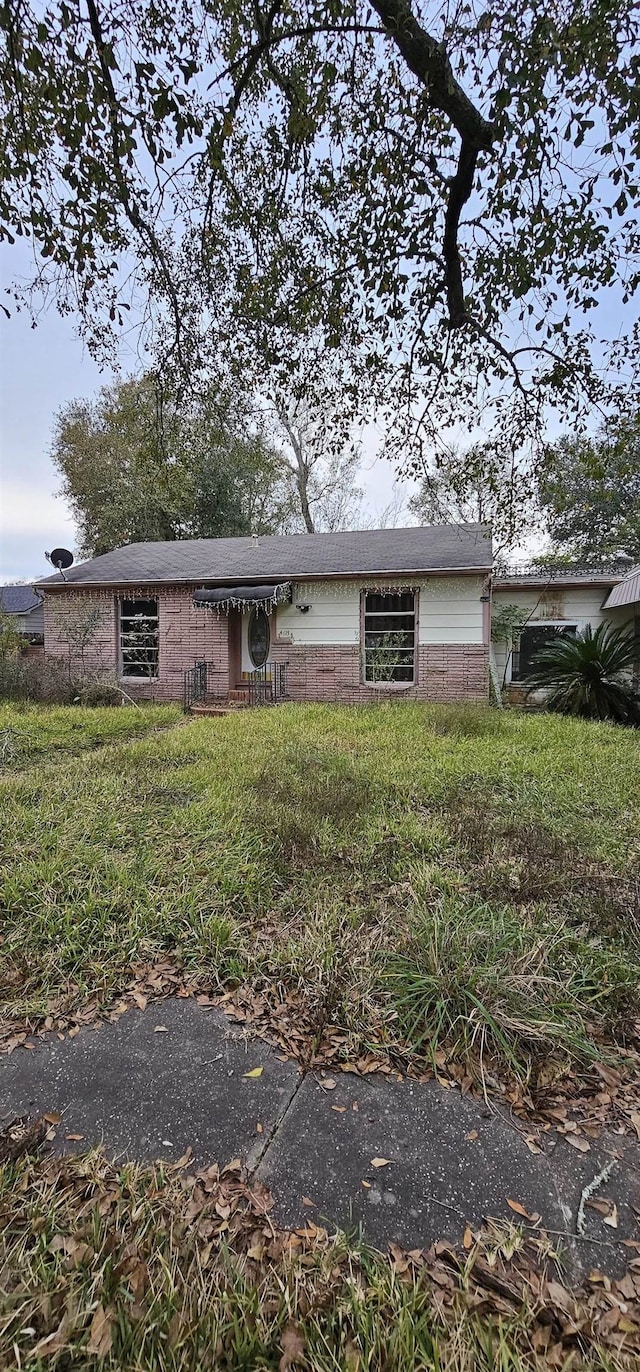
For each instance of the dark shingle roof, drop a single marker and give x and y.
(442, 547)
(18, 600)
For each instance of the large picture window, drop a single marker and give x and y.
(531, 639)
(389, 638)
(139, 638)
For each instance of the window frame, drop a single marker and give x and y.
(392, 590)
(134, 676)
(573, 625)
(258, 666)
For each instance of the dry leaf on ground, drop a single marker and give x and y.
(519, 1209)
(101, 1332)
(292, 1347)
(53, 1342)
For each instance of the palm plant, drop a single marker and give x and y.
(589, 674)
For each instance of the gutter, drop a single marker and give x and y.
(249, 581)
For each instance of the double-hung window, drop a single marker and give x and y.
(389, 630)
(138, 630)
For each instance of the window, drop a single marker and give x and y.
(531, 639)
(259, 638)
(139, 638)
(389, 637)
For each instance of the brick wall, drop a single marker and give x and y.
(186, 636)
(446, 672)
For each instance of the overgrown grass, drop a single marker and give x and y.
(426, 877)
(29, 732)
(142, 1271)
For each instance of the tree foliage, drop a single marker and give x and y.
(428, 199)
(589, 491)
(138, 465)
(487, 483)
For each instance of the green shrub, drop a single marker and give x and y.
(588, 674)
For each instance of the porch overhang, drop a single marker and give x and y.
(225, 598)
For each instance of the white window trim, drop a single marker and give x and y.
(142, 676)
(384, 614)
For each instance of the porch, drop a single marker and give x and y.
(203, 694)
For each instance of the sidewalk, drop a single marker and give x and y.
(407, 1162)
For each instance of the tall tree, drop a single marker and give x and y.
(433, 196)
(324, 477)
(137, 465)
(589, 492)
(488, 483)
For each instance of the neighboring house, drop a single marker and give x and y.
(403, 613)
(559, 602)
(26, 609)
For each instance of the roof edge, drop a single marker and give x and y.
(476, 570)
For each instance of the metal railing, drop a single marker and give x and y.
(268, 685)
(521, 571)
(195, 684)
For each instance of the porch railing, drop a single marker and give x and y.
(268, 685)
(195, 684)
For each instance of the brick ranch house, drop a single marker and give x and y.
(321, 617)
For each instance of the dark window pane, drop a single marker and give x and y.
(532, 638)
(259, 638)
(139, 638)
(389, 602)
(390, 623)
(138, 607)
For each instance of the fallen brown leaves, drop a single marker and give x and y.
(21, 1136)
(498, 1272)
(576, 1105)
(208, 1236)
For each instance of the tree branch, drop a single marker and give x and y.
(429, 61)
(136, 219)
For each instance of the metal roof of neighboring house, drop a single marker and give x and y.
(439, 548)
(18, 600)
(627, 592)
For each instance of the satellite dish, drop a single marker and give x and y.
(60, 557)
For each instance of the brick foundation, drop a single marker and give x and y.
(446, 672)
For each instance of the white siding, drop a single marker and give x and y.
(579, 605)
(450, 610)
(334, 616)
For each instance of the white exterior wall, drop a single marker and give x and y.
(579, 605)
(450, 610)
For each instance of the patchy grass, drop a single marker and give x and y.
(139, 1270)
(30, 732)
(424, 878)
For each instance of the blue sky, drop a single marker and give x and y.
(41, 369)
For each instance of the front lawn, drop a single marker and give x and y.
(31, 731)
(415, 879)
